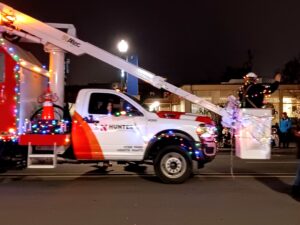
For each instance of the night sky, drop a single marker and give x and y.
(184, 41)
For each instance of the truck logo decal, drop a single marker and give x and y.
(71, 40)
(114, 127)
(120, 127)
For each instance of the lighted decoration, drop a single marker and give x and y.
(252, 128)
(47, 127)
(48, 98)
(253, 95)
(8, 135)
(17, 95)
(2, 94)
(195, 151)
(257, 126)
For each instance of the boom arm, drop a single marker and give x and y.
(18, 23)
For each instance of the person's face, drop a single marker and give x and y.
(109, 107)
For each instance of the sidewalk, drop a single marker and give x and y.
(290, 151)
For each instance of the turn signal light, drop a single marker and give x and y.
(200, 130)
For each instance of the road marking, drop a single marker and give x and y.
(206, 175)
(279, 162)
(245, 176)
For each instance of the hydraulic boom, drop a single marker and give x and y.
(17, 23)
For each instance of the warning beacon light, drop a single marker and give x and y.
(7, 19)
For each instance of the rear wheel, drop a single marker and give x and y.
(172, 165)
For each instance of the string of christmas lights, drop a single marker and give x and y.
(12, 134)
(47, 127)
(40, 127)
(266, 92)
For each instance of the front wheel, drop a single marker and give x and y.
(172, 165)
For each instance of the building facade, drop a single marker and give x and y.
(285, 99)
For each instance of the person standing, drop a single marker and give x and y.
(285, 125)
(251, 94)
(296, 185)
(275, 135)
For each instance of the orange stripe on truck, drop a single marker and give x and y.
(85, 143)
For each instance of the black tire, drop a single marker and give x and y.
(172, 165)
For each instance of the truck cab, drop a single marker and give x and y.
(110, 125)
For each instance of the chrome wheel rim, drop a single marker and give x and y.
(173, 165)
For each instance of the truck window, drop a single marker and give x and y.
(138, 101)
(2, 67)
(102, 103)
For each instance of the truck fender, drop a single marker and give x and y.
(165, 138)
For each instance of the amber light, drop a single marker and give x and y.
(11, 130)
(10, 18)
(5, 18)
(37, 69)
(200, 130)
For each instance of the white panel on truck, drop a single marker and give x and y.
(32, 85)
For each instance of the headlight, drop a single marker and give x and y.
(201, 129)
(204, 130)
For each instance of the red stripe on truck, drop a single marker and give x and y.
(85, 143)
(177, 115)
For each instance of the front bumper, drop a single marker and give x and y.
(205, 151)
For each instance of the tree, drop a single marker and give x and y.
(239, 72)
(291, 71)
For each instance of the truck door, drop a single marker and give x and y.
(118, 126)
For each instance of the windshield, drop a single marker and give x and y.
(138, 101)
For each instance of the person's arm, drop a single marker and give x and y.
(274, 86)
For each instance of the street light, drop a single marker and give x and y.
(128, 82)
(123, 48)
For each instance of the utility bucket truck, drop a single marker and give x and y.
(107, 125)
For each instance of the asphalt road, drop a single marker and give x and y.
(257, 192)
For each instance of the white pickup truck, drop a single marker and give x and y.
(111, 126)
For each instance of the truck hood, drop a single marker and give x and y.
(185, 116)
